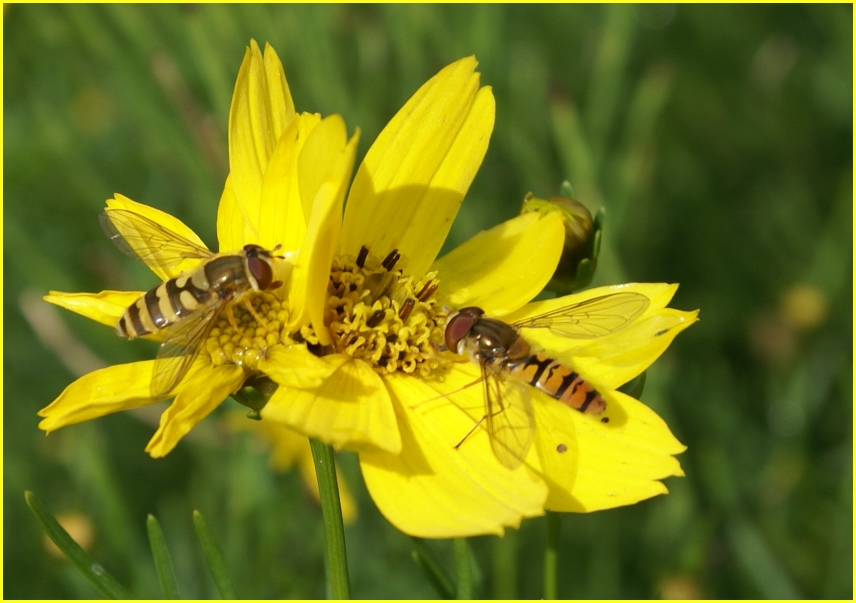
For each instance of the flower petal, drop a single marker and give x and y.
(100, 393)
(105, 307)
(261, 109)
(230, 220)
(590, 465)
(294, 366)
(501, 269)
(433, 489)
(615, 359)
(326, 162)
(149, 255)
(284, 212)
(199, 392)
(658, 294)
(351, 408)
(411, 183)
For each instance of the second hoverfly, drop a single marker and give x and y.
(185, 308)
(510, 366)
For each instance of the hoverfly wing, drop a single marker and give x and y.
(510, 418)
(182, 342)
(591, 318)
(144, 239)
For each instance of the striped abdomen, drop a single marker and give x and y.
(221, 278)
(557, 381)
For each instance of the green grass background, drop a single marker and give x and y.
(717, 137)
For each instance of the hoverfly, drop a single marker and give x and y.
(509, 364)
(185, 308)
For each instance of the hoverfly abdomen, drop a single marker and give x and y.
(163, 305)
(559, 382)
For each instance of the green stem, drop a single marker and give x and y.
(554, 522)
(463, 569)
(334, 529)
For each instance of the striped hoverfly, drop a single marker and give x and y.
(183, 309)
(510, 365)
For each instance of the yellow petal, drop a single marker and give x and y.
(433, 490)
(351, 408)
(326, 162)
(411, 183)
(658, 294)
(261, 109)
(615, 359)
(502, 268)
(283, 219)
(100, 393)
(230, 220)
(105, 307)
(199, 392)
(170, 223)
(590, 465)
(294, 366)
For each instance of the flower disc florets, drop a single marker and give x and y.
(381, 316)
(244, 340)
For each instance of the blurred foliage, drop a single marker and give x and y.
(719, 140)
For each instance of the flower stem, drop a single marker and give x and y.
(463, 569)
(331, 508)
(554, 522)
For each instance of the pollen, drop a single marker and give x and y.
(242, 336)
(381, 316)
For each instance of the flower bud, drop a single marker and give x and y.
(582, 241)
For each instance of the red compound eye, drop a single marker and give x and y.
(259, 266)
(460, 324)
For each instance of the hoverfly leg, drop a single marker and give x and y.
(230, 316)
(470, 432)
(249, 306)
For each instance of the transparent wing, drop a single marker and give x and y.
(146, 240)
(181, 345)
(510, 419)
(591, 318)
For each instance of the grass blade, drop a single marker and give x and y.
(97, 575)
(214, 556)
(554, 522)
(432, 570)
(163, 563)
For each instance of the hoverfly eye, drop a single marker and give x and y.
(459, 326)
(260, 270)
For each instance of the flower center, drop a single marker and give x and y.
(381, 316)
(244, 340)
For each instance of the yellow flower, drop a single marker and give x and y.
(380, 315)
(289, 448)
(287, 172)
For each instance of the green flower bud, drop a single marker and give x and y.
(582, 240)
